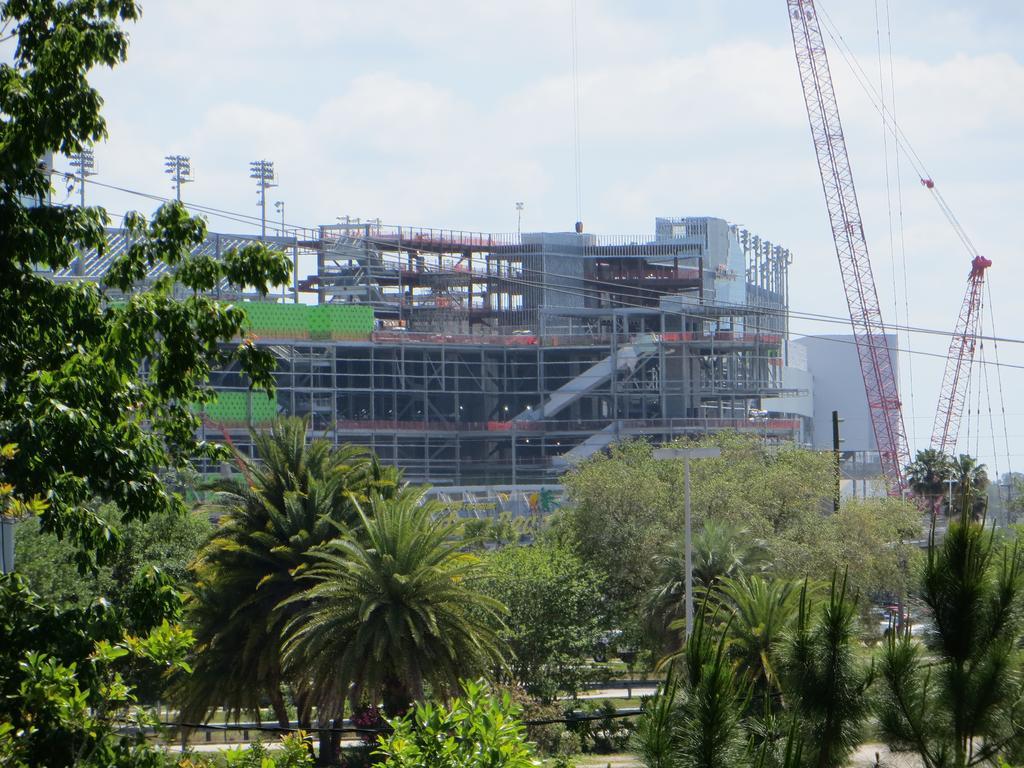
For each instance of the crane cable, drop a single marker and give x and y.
(1002, 401)
(902, 141)
(889, 200)
(901, 228)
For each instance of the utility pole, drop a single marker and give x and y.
(85, 161)
(835, 453)
(179, 167)
(263, 172)
(686, 454)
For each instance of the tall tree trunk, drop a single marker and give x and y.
(330, 741)
(280, 709)
(303, 709)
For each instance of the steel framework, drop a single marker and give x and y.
(851, 246)
(957, 377)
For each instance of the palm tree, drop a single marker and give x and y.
(763, 611)
(970, 486)
(394, 609)
(720, 550)
(299, 497)
(927, 476)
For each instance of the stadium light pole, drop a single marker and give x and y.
(263, 172)
(179, 167)
(519, 218)
(686, 454)
(279, 207)
(85, 161)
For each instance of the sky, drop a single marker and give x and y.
(446, 113)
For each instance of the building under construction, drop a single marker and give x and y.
(472, 359)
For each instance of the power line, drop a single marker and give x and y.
(593, 293)
(902, 141)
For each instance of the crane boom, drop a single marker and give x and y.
(957, 378)
(876, 362)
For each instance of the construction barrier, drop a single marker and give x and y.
(234, 409)
(309, 321)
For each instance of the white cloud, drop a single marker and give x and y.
(444, 114)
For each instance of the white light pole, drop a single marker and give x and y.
(279, 207)
(519, 218)
(85, 162)
(179, 167)
(686, 454)
(263, 172)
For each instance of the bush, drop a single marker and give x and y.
(295, 752)
(476, 730)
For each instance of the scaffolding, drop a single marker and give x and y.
(482, 360)
(505, 359)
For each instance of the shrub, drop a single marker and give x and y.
(476, 730)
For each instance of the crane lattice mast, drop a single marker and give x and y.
(957, 378)
(876, 362)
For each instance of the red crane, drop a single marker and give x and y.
(876, 362)
(957, 377)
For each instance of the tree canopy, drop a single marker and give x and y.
(96, 396)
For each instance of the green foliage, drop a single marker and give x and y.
(957, 702)
(867, 539)
(549, 737)
(94, 394)
(88, 424)
(622, 509)
(969, 491)
(476, 730)
(625, 505)
(294, 500)
(720, 550)
(554, 604)
(500, 531)
(396, 607)
(826, 680)
(762, 611)
(65, 674)
(656, 737)
(294, 752)
(927, 476)
(696, 721)
(167, 541)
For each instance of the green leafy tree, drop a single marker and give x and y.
(554, 607)
(476, 730)
(90, 425)
(168, 541)
(624, 505)
(395, 608)
(65, 673)
(872, 541)
(622, 509)
(697, 719)
(956, 701)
